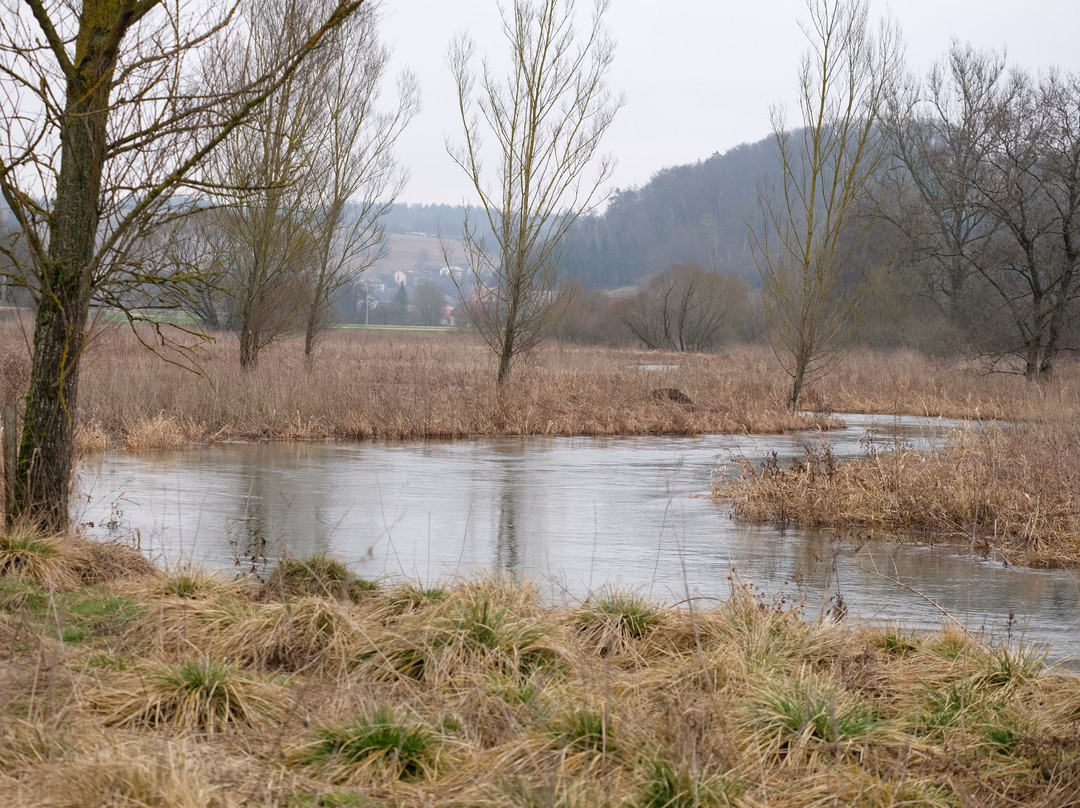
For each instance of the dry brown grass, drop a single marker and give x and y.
(1013, 492)
(372, 384)
(476, 693)
(64, 562)
(404, 385)
(909, 383)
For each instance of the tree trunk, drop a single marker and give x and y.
(311, 332)
(46, 456)
(797, 380)
(43, 477)
(506, 358)
(249, 346)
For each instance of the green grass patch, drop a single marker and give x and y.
(671, 786)
(383, 743)
(208, 694)
(805, 713)
(94, 614)
(583, 731)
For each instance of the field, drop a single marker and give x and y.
(409, 251)
(121, 685)
(393, 384)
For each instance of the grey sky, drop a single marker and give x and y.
(699, 76)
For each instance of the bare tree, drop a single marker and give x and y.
(686, 308)
(990, 163)
(356, 175)
(315, 173)
(102, 125)
(429, 300)
(547, 118)
(940, 136)
(810, 223)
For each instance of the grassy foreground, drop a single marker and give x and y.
(123, 686)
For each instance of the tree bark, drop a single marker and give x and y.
(249, 346)
(43, 477)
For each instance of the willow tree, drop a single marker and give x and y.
(810, 223)
(302, 185)
(546, 116)
(105, 122)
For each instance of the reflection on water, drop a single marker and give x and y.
(572, 514)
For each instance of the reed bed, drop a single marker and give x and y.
(1012, 492)
(408, 385)
(378, 385)
(147, 688)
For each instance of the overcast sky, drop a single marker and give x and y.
(699, 76)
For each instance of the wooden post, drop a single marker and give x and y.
(10, 442)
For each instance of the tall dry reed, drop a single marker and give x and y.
(1012, 491)
(406, 385)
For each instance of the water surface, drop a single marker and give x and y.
(571, 514)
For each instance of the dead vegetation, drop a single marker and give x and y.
(146, 688)
(409, 385)
(1010, 492)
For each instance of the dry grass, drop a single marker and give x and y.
(64, 562)
(371, 384)
(404, 385)
(476, 693)
(1012, 492)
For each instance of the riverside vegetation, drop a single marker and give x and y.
(126, 686)
(409, 385)
(1009, 491)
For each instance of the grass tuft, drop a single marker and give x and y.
(384, 744)
(671, 786)
(317, 576)
(807, 713)
(208, 694)
(583, 730)
(27, 555)
(613, 621)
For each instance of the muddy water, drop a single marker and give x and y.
(571, 514)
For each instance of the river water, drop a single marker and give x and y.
(571, 514)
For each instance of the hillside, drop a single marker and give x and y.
(409, 252)
(690, 213)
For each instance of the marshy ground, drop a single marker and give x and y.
(1010, 493)
(122, 685)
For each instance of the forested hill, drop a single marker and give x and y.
(690, 213)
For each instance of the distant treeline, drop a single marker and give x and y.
(689, 214)
(432, 220)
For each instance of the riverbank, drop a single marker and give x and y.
(390, 385)
(126, 686)
(1013, 498)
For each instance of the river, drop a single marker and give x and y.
(571, 514)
